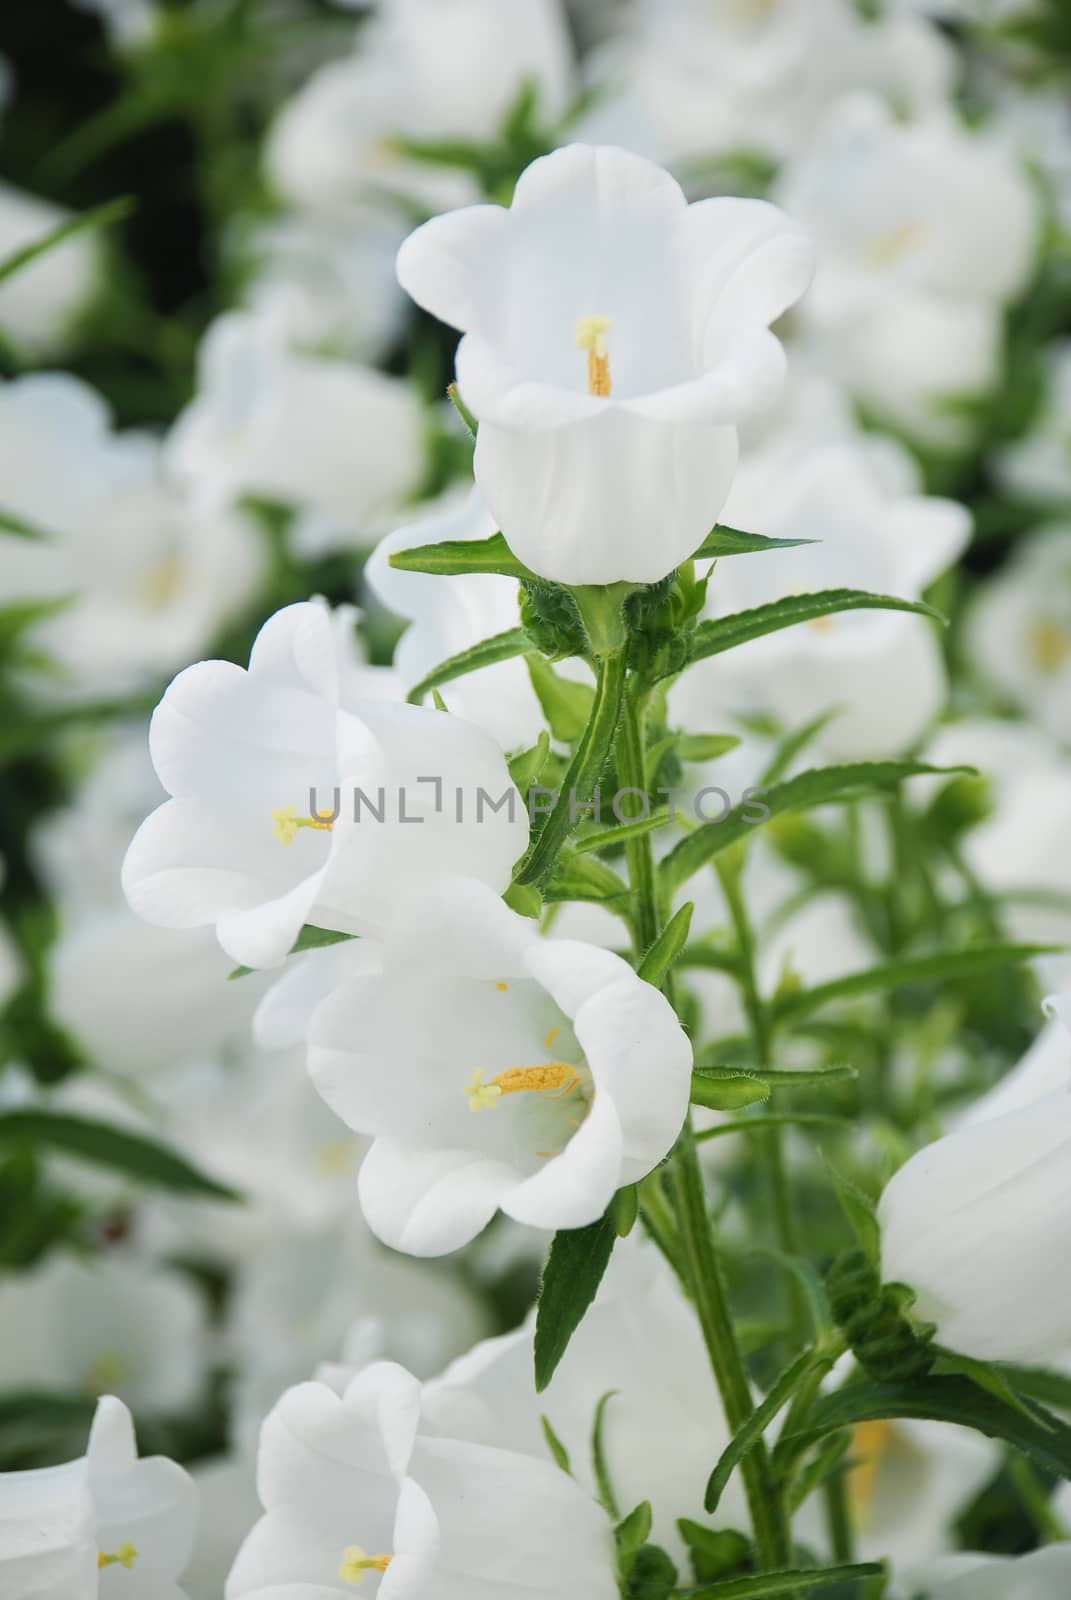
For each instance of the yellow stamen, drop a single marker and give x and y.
(558, 1076)
(355, 1564)
(591, 336)
(125, 1556)
(551, 1036)
(889, 247)
(821, 624)
(1049, 645)
(285, 824)
(870, 1444)
(502, 987)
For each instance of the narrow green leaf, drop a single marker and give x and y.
(503, 647)
(723, 541)
(938, 967)
(566, 705)
(810, 1077)
(626, 1207)
(21, 529)
(600, 1470)
(715, 1552)
(821, 1466)
(774, 1119)
(727, 1088)
(667, 947)
(794, 743)
(1039, 1383)
(818, 786)
(705, 746)
(776, 1398)
(577, 1259)
(801, 1580)
(860, 1211)
(100, 217)
(718, 634)
(526, 767)
(813, 1288)
(633, 1530)
(309, 938)
(613, 837)
(99, 1142)
(578, 877)
(454, 556)
(988, 1377)
(555, 1446)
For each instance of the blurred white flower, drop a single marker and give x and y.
(341, 443)
(129, 22)
(1039, 465)
(352, 1490)
(818, 477)
(496, 1070)
(979, 1225)
(1017, 633)
(615, 336)
(107, 1525)
(1044, 1574)
(227, 1509)
(248, 756)
(109, 1325)
(139, 581)
(425, 70)
(40, 304)
(924, 233)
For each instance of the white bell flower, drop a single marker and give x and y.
(40, 304)
(924, 233)
(615, 336)
(253, 840)
(495, 1069)
(979, 1225)
(354, 1493)
(340, 442)
(1043, 1574)
(105, 1527)
(140, 582)
(1043, 1070)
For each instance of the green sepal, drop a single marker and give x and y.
(887, 1346)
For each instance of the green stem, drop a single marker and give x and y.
(632, 774)
(582, 778)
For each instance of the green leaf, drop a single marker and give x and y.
(1044, 1438)
(814, 1289)
(525, 899)
(652, 1575)
(753, 1429)
(132, 1153)
(578, 877)
(723, 541)
(801, 1580)
(566, 705)
(555, 1446)
(600, 1469)
(938, 967)
(713, 637)
(21, 529)
(453, 556)
(100, 217)
(633, 1530)
(577, 1259)
(626, 1208)
(667, 947)
(818, 786)
(715, 1552)
(526, 767)
(727, 1088)
(810, 1077)
(704, 746)
(774, 1119)
(860, 1211)
(503, 647)
(309, 938)
(620, 834)
(794, 743)
(1039, 1383)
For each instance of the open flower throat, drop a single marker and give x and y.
(356, 1564)
(557, 1079)
(591, 336)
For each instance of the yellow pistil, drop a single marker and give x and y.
(502, 987)
(553, 1076)
(890, 246)
(285, 824)
(105, 1373)
(355, 1564)
(1049, 645)
(870, 1444)
(591, 336)
(125, 1556)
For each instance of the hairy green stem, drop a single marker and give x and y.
(632, 774)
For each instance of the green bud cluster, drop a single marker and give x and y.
(871, 1316)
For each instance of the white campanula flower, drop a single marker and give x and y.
(979, 1226)
(614, 337)
(924, 233)
(856, 496)
(496, 1070)
(1043, 1574)
(293, 804)
(40, 304)
(105, 1527)
(138, 582)
(450, 614)
(355, 1492)
(341, 443)
(129, 22)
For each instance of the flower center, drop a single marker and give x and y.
(591, 336)
(125, 1556)
(1049, 644)
(355, 1564)
(556, 1078)
(891, 246)
(285, 824)
(105, 1373)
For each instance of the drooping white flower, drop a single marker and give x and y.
(615, 336)
(424, 70)
(253, 840)
(1018, 628)
(105, 1527)
(140, 583)
(924, 233)
(496, 1070)
(817, 477)
(112, 1325)
(40, 304)
(354, 1492)
(1043, 1574)
(979, 1225)
(341, 443)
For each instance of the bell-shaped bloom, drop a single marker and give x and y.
(107, 1525)
(355, 1493)
(290, 805)
(614, 337)
(1044, 1574)
(40, 304)
(495, 1069)
(979, 1226)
